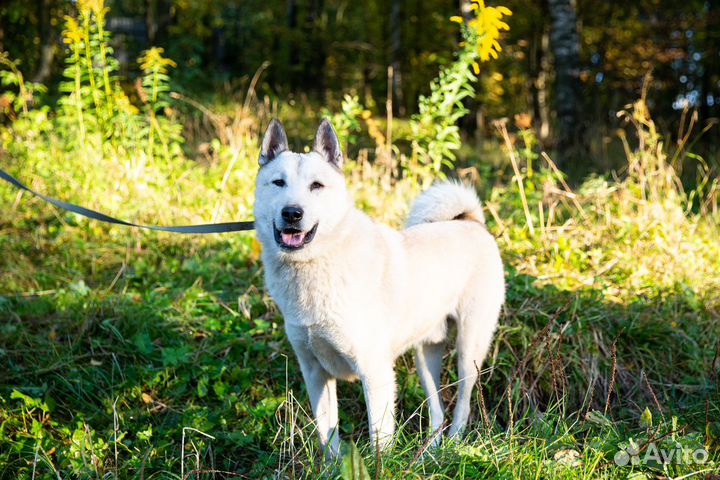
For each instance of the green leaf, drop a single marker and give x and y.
(202, 387)
(597, 417)
(28, 401)
(36, 428)
(80, 288)
(175, 356)
(145, 434)
(143, 342)
(353, 467)
(220, 388)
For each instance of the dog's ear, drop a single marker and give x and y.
(274, 142)
(327, 144)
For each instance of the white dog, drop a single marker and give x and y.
(355, 294)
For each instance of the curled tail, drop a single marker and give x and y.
(446, 201)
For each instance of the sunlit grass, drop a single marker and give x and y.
(127, 339)
(133, 354)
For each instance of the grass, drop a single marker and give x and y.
(130, 354)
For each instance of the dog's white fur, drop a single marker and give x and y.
(360, 294)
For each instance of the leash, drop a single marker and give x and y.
(92, 214)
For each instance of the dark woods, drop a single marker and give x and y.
(569, 65)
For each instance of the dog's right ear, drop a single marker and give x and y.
(274, 142)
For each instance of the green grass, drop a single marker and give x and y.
(117, 344)
(132, 354)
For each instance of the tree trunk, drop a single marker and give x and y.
(47, 42)
(541, 76)
(314, 71)
(2, 38)
(293, 48)
(151, 26)
(709, 48)
(565, 44)
(158, 17)
(395, 57)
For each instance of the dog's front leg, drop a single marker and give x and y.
(379, 388)
(321, 387)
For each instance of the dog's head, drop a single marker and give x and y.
(299, 197)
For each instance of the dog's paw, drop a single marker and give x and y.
(437, 439)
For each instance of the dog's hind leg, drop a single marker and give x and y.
(476, 324)
(428, 361)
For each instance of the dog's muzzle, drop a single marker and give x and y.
(291, 238)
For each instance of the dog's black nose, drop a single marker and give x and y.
(292, 214)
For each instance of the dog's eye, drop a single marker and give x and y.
(279, 182)
(316, 186)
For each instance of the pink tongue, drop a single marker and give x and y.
(293, 239)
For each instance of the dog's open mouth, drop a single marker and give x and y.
(293, 238)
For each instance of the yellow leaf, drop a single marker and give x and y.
(256, 249)
(146, 398)
(646, 418)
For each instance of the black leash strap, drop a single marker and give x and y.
(86, 212)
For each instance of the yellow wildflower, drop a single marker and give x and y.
(487, 23)
(73, 33)
(152, 61)
(95, 6)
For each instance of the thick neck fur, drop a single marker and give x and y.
(303, 279)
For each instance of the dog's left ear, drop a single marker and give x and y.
(327, 144)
